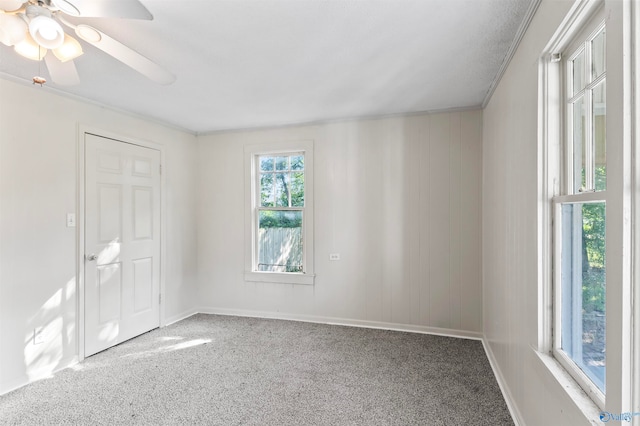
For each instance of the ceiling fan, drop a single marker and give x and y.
(35, 30)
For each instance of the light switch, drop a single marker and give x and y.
(71, 220)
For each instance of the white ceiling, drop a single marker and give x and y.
(256, 63)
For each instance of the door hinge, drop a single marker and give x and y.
(160, 168)
(160, 298)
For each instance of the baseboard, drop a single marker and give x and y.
(506, 393)
(346, 322)
(35, 376)
(179, 317)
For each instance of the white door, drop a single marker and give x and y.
(122, 242)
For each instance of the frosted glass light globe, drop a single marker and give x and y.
(46, 32)
(12, 29)
(10, 5)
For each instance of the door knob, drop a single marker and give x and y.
(91, 257)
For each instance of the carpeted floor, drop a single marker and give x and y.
(219, 370)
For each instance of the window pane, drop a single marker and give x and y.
(266, 190)
(280, 242)
(297, 189)
(282, 189)
(266, 164)
(600, 135)
(583, 288)
(297, 162)
(598, 56)
(578, 73)
(282, 163)
(579, 165)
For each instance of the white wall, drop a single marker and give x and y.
(398, 198)
(510, 250)
(38, 187)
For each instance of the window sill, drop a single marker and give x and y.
(579, 397)
(279, 277)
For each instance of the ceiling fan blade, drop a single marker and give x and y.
(124, 54)
(127, 9)
(62, 73)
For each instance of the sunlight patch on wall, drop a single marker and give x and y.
(48, 332)
(43, 350)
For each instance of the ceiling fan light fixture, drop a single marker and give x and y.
(46, 32)
(65, 7)
(10, 5)
(70, 49)
(30, 49)
(12, 29)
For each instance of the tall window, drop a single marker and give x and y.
(580, 215)
(279, 215)
(280, 212)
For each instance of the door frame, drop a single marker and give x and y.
(80, 223)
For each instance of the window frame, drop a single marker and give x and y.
(580, 42)
(260, 208)
(252, 208)
(554, 160)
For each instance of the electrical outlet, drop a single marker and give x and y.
(38, 336)
(334, 256)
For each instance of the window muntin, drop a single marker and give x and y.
(279, 213)
(281, 180)
(579, 171)
(599, 112)
(579, 242)
(586, 114)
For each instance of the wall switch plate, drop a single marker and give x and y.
(38, 336)
(334, 256)
(71, 220)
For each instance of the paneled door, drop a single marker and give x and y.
(122, 242)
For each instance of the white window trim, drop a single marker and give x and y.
(635, 213)
(582, 39)
(550, 168)
(250, 274)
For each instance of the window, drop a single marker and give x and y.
(280, 213)
(580, 205)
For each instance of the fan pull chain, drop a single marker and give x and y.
(37, 79)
